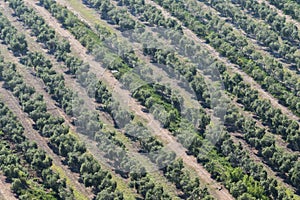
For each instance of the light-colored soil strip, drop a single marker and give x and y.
(5, 191)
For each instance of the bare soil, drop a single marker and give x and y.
(5, 191)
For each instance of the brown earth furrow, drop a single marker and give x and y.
(5, 191)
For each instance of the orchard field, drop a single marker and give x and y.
(150, 99)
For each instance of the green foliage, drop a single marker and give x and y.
(237, 164)
(24, 164)
(289, 7)
(147, 92)
(49, 126)
(232, 45)
(267, 36)
(9, 35)
(63, 143)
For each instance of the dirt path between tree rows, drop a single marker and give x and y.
(5, 191)
(133, 105)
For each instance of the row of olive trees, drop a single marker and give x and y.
(238, 91)
(280, 160)
(197, 148)
(52, 127)
(251, 135)
(104, 97)
(172, 168)
(145, 142)
(264, 69)
(251, 102)
(274, 119)
(22, 162)
(248, 97)
(261, 31)
(142, 97)
(87, 121)
(8, 35)
(278, 23)
(61, 141)
(271, 117)
(280, 122)
(291, 8)
(162, 57)
(75, 66)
